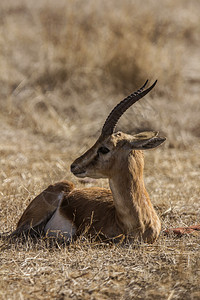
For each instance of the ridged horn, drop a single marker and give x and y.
(120, 108)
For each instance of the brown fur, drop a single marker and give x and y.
(42, 207)
(92, 211)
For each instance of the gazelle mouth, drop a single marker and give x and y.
(80, 174)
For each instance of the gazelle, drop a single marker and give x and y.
(124, 209)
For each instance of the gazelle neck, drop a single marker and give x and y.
(134, 210)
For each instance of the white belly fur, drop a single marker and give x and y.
(59, 225)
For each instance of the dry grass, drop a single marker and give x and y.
(63, 66)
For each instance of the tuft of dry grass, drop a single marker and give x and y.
(64, 65)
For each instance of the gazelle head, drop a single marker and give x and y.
(112, 149)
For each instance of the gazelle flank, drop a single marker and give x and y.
(123, 210)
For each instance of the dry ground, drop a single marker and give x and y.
(64, 64)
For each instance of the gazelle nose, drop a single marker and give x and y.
(73, 167)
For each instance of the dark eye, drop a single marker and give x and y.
(103, 150)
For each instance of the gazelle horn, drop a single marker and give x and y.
(120, 108)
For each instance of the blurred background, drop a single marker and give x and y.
(65, 64)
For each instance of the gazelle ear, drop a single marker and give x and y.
(146, 140)
(145, 135)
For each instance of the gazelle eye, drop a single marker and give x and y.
(103, 150)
